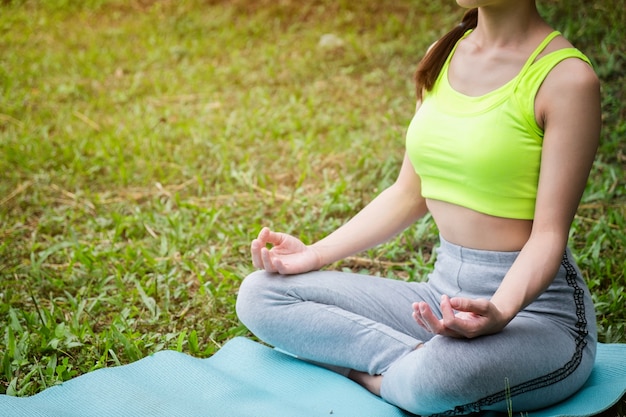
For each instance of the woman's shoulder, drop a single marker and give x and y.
(572, 72)
(571, 87)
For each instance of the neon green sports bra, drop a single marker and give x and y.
(484, 153)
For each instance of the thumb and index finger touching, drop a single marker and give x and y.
(268, 236)
(260, 253)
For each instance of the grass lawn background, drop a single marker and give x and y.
(143, 144)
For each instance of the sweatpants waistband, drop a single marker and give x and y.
(470, 255)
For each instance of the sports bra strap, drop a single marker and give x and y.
(536, 52)
(528, 85)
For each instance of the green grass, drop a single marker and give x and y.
(143, 144)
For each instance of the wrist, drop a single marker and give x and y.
(507, 311)
(318, 255)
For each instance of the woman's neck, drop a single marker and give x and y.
(508, 25)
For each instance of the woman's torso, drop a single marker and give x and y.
(475, 71)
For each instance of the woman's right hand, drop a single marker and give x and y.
(287, 255)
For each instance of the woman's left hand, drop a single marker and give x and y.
(462, 317)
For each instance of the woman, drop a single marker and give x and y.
(499, 151)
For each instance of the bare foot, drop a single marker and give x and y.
(370, 382)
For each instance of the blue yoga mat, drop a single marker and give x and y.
(245, 378)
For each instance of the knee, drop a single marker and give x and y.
(253, 296)
(426, 384)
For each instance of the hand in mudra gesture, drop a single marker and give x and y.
(462, 317)
(286, 255)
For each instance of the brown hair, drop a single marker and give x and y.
(430, 66)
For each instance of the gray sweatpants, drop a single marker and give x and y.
(364, 323)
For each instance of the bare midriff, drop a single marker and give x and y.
(471, 229)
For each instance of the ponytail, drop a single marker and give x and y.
(430, 66)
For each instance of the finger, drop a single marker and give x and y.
(267, 260)
(415, 307)
(448, 316)
(479, 306)
(430, 320)
(263, 235)
(420, 322)
(274, 238)
(417, 316)
(255, 251)
(281, 268)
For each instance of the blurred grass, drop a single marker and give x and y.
(143, 144)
